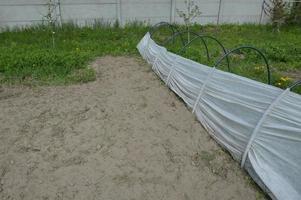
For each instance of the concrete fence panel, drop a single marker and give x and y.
(86, 12)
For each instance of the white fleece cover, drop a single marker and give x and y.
(259, 124)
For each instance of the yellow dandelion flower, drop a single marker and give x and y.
(284, 79)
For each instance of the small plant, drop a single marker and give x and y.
(51, 19)
(192, 11)
(277, 11)
(295, 14)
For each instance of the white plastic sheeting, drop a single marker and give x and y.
(259, 124)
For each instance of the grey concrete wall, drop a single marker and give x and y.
(26, 12)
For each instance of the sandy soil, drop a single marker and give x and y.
(124, 136)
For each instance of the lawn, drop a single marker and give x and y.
(28, 56)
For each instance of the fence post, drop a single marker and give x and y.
(59, 12)
(118, 12)
(172, 11)
(219, 12)
(261, 13)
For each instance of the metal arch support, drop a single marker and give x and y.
(174, 29)
(252, 48)
(191, 32)
(210, 37)
(298, 83)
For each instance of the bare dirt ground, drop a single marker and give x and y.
(124, 136)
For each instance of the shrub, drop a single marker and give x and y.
(295, 14)
(277, 10)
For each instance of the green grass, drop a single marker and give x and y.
(28, 57)
(283, 50)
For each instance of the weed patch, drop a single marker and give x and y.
(28, 56)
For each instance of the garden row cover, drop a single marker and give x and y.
(259, 124)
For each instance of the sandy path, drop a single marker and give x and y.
(124, 136)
